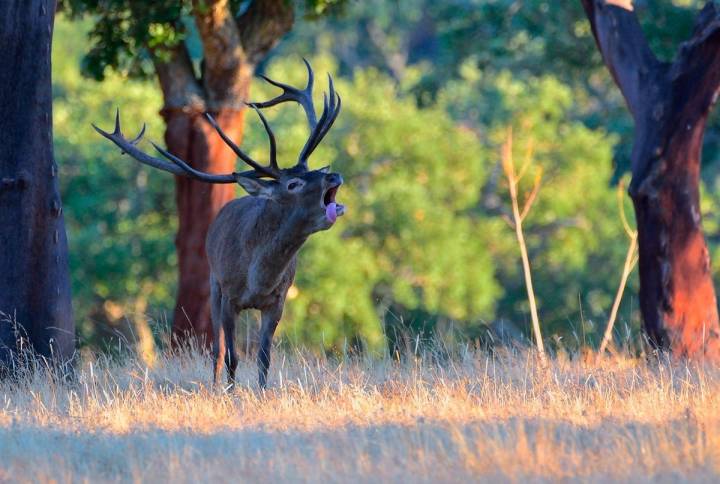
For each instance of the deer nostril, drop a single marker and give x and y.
(334, 178)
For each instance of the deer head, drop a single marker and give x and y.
(308, 194)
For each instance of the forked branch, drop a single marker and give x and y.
(518, 217)
(695, 73)
(696, 70)
(623, 46)
(223, 54)
(262, 26)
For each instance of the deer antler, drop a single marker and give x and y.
(272, 170)
(318, 128)
(178, 167)
(181, 167)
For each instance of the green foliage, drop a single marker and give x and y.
(411, 183)
(429, 91)
(120, 217)
(528, 39)
(125, 32)
(574, 223)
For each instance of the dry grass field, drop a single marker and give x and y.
(475, 417)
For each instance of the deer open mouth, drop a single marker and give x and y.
(333, 210)
(329, 196)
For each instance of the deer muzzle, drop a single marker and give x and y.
(333, 210)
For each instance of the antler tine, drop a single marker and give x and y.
(137, 138)
(178, 167)
(318, 128)
(331, 110)
(333, 118)
(290, 93)
(117, 130)
(310, 143)
(189, 170)
(271, 138)
(127, 147)
(267, 171)
(335, 112)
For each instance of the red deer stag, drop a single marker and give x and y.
(253, 243)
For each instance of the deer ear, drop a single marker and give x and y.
(256, 187)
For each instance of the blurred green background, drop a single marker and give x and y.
(429, 92)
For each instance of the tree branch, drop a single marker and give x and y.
(695, 74)
(224, 59)
(262, 26)
(624, 48)
(395, 58)
(180, 88)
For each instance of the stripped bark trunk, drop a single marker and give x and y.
(34, 275)
(232, 47)
(670, 103)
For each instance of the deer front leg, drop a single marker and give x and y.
(270, 320)
(216, 314)
(228, 324)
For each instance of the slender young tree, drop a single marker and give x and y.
(235, 36)
(670, 103)
(518, 216)
(35, 299)
(630, 261)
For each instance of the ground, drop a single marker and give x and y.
(474, 415)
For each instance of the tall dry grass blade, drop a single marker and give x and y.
(144, 339)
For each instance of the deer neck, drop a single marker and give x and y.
(286, 236)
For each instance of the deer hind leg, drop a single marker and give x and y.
(216, 313)
(270, 320)
(228, 324)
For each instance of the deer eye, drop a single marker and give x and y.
(295, 185)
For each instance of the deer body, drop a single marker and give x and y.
(252, 244)
(252, 262)
(251, 267)
(252, 250)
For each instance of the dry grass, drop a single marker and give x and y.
(474, 417)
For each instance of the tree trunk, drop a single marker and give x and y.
(670, 104)
(677, 296)
(191, 137)
(232, 47)
(34, 275)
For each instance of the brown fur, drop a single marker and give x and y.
(252, 247)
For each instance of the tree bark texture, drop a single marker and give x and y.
(232, 46)
(192, 138)
(670, 103)
(34, 275)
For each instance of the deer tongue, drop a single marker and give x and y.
(331, 212)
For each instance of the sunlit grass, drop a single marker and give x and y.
(472, 416)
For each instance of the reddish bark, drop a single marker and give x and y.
(670, 103)
(677, 296)
(192, 138)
